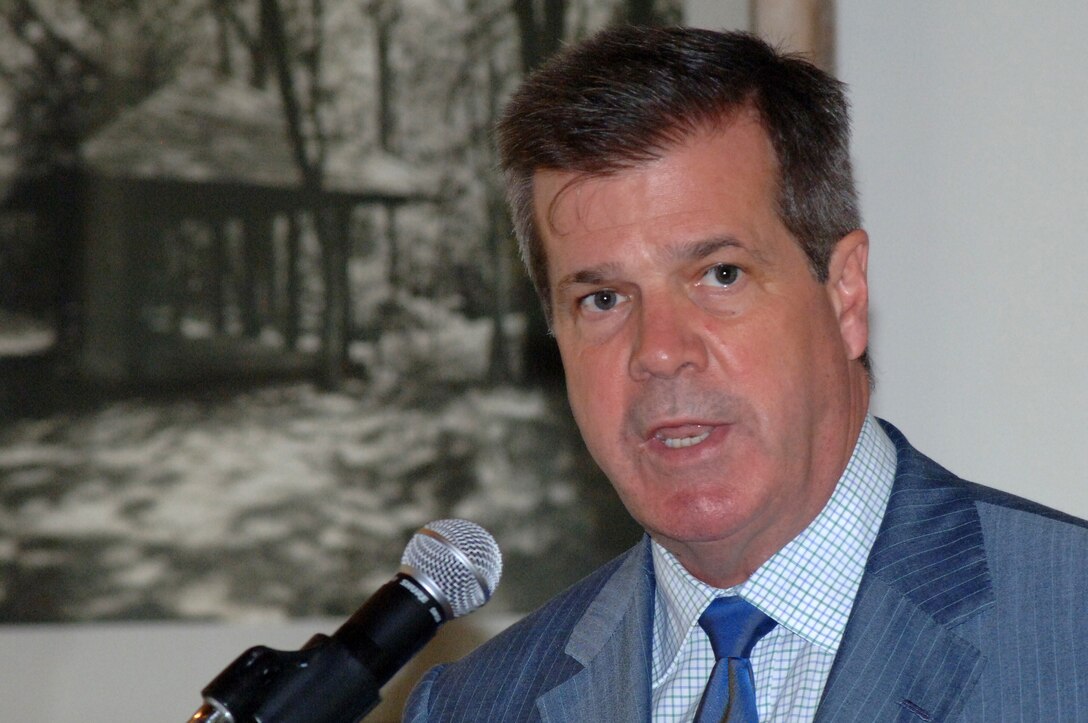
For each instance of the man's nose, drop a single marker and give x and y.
(668, 341)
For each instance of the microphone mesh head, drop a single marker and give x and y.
(461, 558)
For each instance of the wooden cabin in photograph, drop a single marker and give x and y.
(198, 246)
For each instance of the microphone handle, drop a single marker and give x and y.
(331, 679)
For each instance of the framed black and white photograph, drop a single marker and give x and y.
(261, 310)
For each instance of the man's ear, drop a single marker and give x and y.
(848, 287)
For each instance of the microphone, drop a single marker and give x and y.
(449, 568)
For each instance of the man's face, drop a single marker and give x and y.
(709, 372)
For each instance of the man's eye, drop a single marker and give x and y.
(722, 275)
(603, 300)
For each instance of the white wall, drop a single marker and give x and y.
(972, 154)
(138, 672)
(971, 147)
(718, 14)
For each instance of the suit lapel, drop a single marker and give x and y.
(900, 658)
(612, 641)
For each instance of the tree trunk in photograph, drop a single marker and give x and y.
(293, 320)
(642, 12)
(219, 273)
(256, 295)
(385, 14)
(334, 258)
(498, 241)
(309, 158)
(540, 31)
(801, 26)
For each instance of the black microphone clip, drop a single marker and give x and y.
(332, 679)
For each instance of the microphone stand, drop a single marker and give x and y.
(263, 684)
(331, 679)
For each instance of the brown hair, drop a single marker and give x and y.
(626, 95)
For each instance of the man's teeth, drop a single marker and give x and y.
(680, 442)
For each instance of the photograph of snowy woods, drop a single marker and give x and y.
(261, 313)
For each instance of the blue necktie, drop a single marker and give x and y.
(734, 627)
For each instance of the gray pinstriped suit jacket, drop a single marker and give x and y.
(973, 607)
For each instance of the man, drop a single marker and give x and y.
(685, 206)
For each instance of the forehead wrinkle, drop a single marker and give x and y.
(572, 186)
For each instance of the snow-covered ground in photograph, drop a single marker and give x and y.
(285, 501)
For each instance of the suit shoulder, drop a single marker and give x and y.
(1031, 546)
(501, 679)
(992, 501)
(917, 474)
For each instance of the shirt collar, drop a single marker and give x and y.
(809, 585)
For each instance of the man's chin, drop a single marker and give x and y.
(695, 530)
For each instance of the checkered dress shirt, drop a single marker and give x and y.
(808, 587)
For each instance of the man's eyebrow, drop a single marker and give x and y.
(594, 275)
(700, 249)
